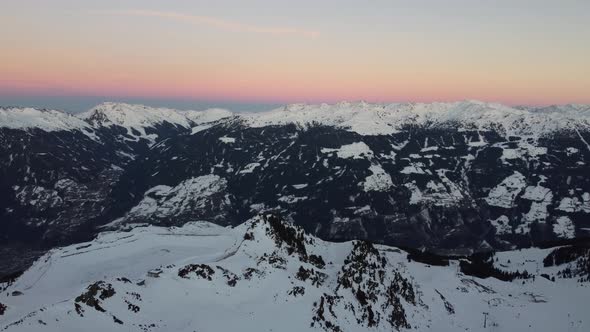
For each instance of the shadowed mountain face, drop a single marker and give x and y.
(453, 178)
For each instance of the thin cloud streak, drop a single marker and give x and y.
(217, 23)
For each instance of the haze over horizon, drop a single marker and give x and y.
(255, 55)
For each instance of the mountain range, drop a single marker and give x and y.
(450, 178)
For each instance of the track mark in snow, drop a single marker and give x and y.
(583, 140)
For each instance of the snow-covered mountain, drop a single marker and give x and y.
(267, 275)
(41, 119)
(375, 119)
(450, 177)
(359, 117)
(132, 116)
(207, 116)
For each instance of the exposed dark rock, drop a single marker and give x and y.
(289, 236)
(232, 278)
(317, 278)
(297, 290)
(248, 236)
(251, 272)
(364, 274)
(95, 293)
(132, 307)
(274, 259)
(317, 261)
(200, 270)
(320, 313)
(448, 306)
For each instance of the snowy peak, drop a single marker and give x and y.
(132, 116)
(558, 108)
(283, 236)
(360, 117)
(141, 121)
(385, 119)
(47, 120)
(207, 116)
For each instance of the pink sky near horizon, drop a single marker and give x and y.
(293, 55)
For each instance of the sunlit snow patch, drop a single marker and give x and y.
(358, 150)
(168, 201)
(564, 228)
(378, 181)
(249, 168)
(504, 194)
(573, 204)
(227, 140)
(502, 226)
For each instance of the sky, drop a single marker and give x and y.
(266, 52)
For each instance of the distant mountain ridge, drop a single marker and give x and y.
(361, 117)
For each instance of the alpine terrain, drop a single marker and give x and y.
(344, 217)
(267, 275)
